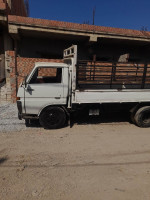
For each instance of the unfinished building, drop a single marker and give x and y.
(25, 41)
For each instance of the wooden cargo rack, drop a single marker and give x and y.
(109, 75)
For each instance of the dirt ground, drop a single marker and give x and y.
(88, 161)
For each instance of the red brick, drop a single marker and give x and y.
(2, 6)
(75, 26)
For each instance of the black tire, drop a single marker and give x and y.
(132, 117)
(52, 118)
(142, 117)
(27, 122)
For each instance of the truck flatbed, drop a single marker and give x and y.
(111, 96)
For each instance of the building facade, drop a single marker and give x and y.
(24, 40)
(8, 7)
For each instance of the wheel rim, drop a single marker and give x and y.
(52, 117)
(146, 118)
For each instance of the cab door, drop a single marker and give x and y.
(45, 87)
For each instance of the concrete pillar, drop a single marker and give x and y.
(93, 38)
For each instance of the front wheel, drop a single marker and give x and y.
(52, 118)
(142, 117)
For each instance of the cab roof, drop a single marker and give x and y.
(50, 64)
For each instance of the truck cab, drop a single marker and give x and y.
(47, 85)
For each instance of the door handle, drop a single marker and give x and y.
(57, 97)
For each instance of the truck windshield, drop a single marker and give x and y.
(47, 75)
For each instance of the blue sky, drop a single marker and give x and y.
(131, 14)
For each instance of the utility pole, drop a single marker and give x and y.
(27, 7)
(94, 10)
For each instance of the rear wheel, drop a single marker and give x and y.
(142, 117)
(52, 118)
(132, 117)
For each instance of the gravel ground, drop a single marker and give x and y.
(9, 121)
(85, 162)
(98, 158)
(9, 118)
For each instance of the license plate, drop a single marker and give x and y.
(94, 112)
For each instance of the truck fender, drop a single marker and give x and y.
(138, 106)
(135, 108)
(66, 111)
(63, 107)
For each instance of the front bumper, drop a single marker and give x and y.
(19, 106)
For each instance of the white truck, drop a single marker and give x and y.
(53, 90)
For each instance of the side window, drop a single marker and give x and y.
(47, 75)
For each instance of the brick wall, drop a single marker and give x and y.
(14, 7)
(24, 66)
(18, 8)
(5, 92)
(2, 5)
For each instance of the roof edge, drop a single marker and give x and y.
(12, 19)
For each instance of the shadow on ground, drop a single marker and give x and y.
(3, 159)
(32, 123)
(83, 118)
